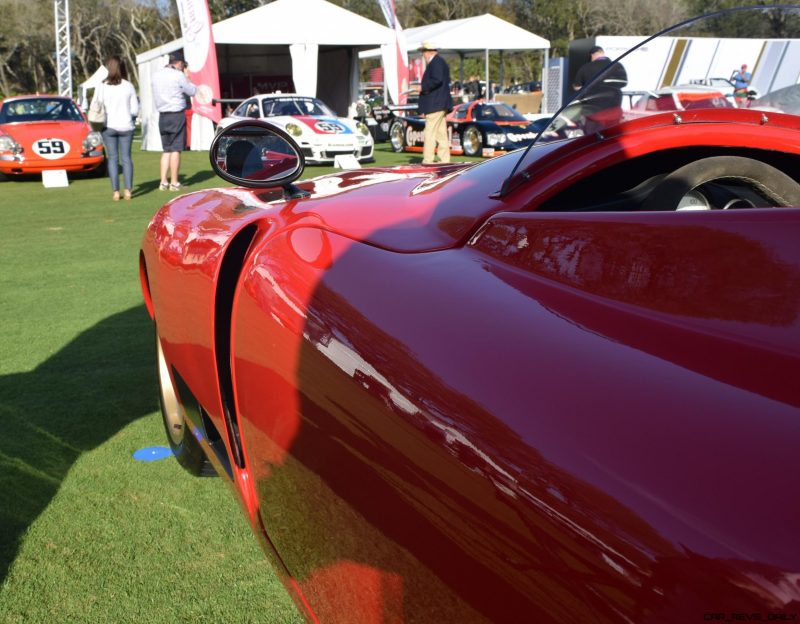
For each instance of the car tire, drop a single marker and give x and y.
(472, 141)
(184, 446)
(767, 181)
(397, 136)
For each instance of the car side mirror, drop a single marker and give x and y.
(258, 154)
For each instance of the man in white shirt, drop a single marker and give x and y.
(171, 88)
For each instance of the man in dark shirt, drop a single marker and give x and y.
(435, 102)
(602, 102)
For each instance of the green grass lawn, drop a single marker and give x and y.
(87, 533)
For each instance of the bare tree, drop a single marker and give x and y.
(633, 17)
(421, 12)
(97, 29)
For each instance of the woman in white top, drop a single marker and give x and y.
(119, 98)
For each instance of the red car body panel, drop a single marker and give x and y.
(455, 408)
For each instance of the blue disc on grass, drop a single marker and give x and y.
(152, 453)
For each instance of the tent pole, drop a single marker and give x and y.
(544, 108)
(488, 85)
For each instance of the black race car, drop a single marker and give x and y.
(478, 128)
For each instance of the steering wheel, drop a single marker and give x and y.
(55, 112)
(724, 183)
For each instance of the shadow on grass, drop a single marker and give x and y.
(199, 176)
(143, 188)
(73, 402)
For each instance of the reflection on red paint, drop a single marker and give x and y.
(352, 593)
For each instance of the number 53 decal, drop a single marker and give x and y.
(51, 149)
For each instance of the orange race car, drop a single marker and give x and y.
(42, 132)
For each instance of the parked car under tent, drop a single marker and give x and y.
(266, 49)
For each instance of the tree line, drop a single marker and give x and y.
(129, 27)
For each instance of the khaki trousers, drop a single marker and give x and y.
(435, 134)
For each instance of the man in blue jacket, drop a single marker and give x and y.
(435, 102)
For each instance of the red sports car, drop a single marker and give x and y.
(42, 132)
(553, 386)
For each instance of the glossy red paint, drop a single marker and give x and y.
(412, 477)
(458, 408)
(547, 165)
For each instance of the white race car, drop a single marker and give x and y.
(320, 133)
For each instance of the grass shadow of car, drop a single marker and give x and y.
(69, 404)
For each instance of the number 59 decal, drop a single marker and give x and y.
(52, 149)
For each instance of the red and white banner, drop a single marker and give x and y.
(396, 66)
(201, 55)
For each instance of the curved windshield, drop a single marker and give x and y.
(497, 111)
(293, 106)
(754, 49)
(39, 109)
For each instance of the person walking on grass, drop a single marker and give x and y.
(171, 88)
(121, 104)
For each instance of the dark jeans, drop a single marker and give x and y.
(118, 148)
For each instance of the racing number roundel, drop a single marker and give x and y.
(329, 127)
(51, 149)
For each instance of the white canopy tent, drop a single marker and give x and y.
(479, 34)
(312, 41)
(91, 83)
(482, 32)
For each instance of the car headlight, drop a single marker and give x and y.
(7, 144)
(362, 128)
(495, 139)
(294, 129)
(92, 140)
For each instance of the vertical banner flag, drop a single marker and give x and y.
(397, 80)
(201, 55)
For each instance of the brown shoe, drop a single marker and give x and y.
(127, 194)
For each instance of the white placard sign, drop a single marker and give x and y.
(52, 178)
(346, 161)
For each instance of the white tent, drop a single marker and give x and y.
(482, 33)
(312, 41)
(91, 83)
